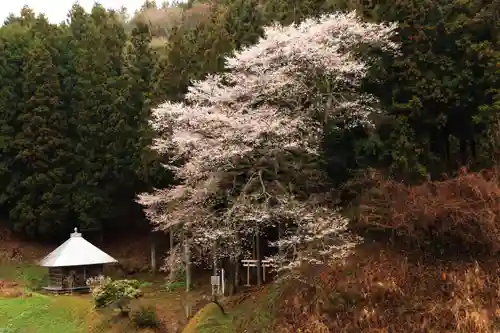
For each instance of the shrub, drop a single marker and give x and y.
(172, 286)
(146, 317)
(33, 278)
(118, 293)
(458, 213)
(380, 289)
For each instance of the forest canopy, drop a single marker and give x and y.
(77, 101)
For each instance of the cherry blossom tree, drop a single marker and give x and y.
(247, 140)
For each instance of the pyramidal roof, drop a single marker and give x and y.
(76, 251)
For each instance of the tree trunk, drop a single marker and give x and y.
(259, 259)
(171, 276)
(237, 273)
(473, 149)
(171, 240)
(231, 280)
(280, 249)
(463, 151)
(214, 257)
(214, 268)
(188, 264)
(236, 264)
(231, 276)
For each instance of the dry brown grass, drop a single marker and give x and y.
(10, 289)
(13, 250)
(458, 214)
(379, 290)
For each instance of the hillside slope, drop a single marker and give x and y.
(377, 289)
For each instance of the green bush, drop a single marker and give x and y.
(146, 317)
(118, 293)
(33, 278)
(145, 284)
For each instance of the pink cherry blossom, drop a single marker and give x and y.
(271, 102)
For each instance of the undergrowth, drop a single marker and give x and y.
(146, 317)
(454, 215)
(446, 281)
(255, 312)
(382, 290)
(172, 286)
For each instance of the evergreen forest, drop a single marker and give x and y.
(76, 100)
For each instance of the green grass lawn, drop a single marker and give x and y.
(44, 314)
(40, 313)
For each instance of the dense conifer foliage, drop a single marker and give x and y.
(76, 98)
(74, 108)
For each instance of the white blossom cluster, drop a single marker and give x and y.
(266, 101)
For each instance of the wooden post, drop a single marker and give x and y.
(153, 252)
(248, 276)
(251, 263)
(188, 309)
(223, 281)
(70, 280)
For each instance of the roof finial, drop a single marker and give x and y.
(76, 233)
